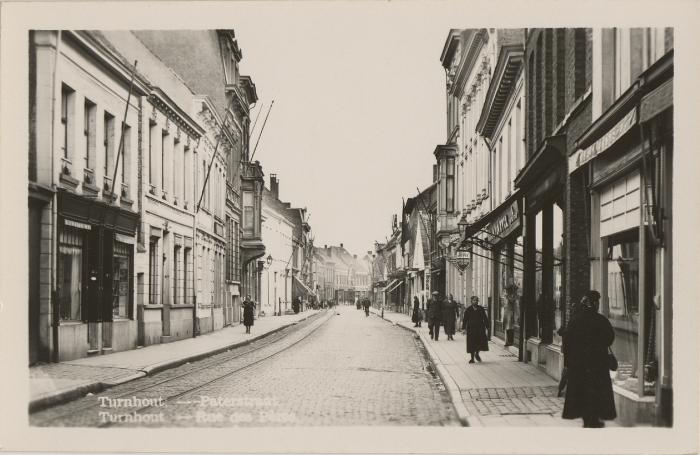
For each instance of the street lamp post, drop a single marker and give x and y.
(269, 263)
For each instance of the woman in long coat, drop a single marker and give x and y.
(417, 316)
(248, 314)
(449, 315)
(476, 323)
(586, 341)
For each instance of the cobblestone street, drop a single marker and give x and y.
(340, 369)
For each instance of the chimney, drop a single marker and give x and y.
(341, 245)
(355, 256)
(435, 173)
(274, 186)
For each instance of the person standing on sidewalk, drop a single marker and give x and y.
(449, 315)
(248, 313)
(476, 323)
(417, 316)
(589, 392)
(435, 315)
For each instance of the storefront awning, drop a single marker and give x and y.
(299, 289)
(396, 285)
(389, 286)
(504, 217)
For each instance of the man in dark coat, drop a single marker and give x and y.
(449, 315)
(476, 323)
(435, 315)
(248, 313)
(365, 304)
(586, 341)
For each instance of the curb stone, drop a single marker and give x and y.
(69, 394)
(451, 386)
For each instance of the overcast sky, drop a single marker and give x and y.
(359, 108)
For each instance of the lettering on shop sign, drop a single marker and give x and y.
(462, 258)
(506, 221)
(583, 156)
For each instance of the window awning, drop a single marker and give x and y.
(510, 210)
(300, 289)
(389, 287)
(394, 286)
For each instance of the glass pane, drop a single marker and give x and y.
(558, 272)
(120, 286)
(623, 307)
(517, 279)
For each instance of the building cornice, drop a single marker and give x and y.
(159, 99)
(506, 73)
(468, 61)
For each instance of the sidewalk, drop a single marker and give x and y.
(54, 383)
(500, 391)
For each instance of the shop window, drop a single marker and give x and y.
(70, 273)
(177, 277)
(558, 270)
(121, 280)
(623, 304)
(187, 276)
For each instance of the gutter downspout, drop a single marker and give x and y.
(55, 311)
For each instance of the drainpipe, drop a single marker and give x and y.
(54, 209)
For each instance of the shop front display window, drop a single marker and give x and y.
(558, 270)
(518, 278)
(121, 280)
(622, 307)
(539, 297)
(70, 271)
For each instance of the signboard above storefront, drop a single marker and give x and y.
(583, 156)
(505, 223)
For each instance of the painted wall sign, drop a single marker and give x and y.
(583, 156)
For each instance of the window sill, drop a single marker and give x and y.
(90, 189)
(71, 323)
(68, 180)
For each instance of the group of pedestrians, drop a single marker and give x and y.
(445, 313)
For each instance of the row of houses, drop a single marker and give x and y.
(339, 276)
(148, 219)
(555, 177)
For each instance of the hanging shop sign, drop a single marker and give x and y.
(583, 156)
(462, 258)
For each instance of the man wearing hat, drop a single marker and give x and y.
(476, 323)
(434, 315)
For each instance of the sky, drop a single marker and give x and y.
(359, 107)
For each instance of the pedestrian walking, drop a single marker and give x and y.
(586, 344)
(366, 305)
(449, 316)
(435, 315)
(417, 316)
(476, 324)
(248, 313)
